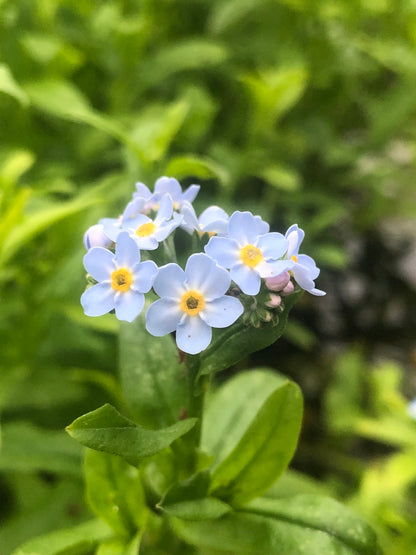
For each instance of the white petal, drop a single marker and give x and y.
(128, 305)
(127, 251)
(246, 278)
(212, 214)
(190, 193)
(143, 191)
(193, 335)
(243, 228)
(168, 185)
(309, 262)
(170, 281)
(302, 277)
(317, 292)
(98, 299)
(190, 221)
(203, 274)
(222, 312)
(163, 317)
(224, 250)
(295, 236)
(274, 268)
(272, 245)
(99, 262)
(165, 209)
(144, 276)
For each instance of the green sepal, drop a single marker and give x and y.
(105, 429)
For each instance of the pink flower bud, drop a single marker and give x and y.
(288, 289)
(274, 301)
(277, 283)
(95, 237)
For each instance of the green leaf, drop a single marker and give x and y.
(232, 344)
(25, 448)
(265, 449)
(156, 127)
(282, 177)
(305, 524)
(232, 408)
(105, 429)
(114, 491)
(71, 541)
(195, 166)
(189, 500)
(120, 547)
(8, 85)
(154, 380)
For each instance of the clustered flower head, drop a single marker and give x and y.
(245, 270)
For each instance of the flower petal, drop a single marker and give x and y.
(190, 221)
(302, 277)
(127, 251)
(170, 281)
(317, 292)
(272, 245)
(143, 191)
(193, 335)
(295, 236)
(133, 208)
(190, 193)
(128, 305)
(246, 278)
(274, 268)
(168, 185)
(98, 299)
(309, 263)
(166, 228)
(222, 312)
(211, 214)
(224, 250)
(144, 275)
(163, 317)
(99, 262)
(165, 209)
(242, 227)
(146, 243)
(203, 274)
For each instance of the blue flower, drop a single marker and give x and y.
(95, 237)
(171, 186)
(249, 251)
(146, 232)
(192, 302)
(303, 267)
(122, 280)
(213, 220)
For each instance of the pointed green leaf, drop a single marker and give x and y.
(189, 500)
(71, 541)
(265, 449)
(114, 491)
(304, 524)
(105, 429)
(9, 85)
(154, 381)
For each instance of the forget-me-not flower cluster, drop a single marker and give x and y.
(242, 259)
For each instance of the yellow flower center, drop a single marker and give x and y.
(145, 229)
(192, 302)
(294, 258)
(121, 279)
(251, 255)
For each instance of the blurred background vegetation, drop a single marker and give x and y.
(299, 110)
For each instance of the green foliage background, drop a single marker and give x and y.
(300, 110)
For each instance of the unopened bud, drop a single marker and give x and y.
(277, 283)
(95, 237)
(288, 289)
(274, 301)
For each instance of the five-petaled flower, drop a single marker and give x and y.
(303, 267)
(146, 232)
(122, 280)
(249, 251)
(192, 302)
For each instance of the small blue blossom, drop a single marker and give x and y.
(95, 237)
(213, 220)
(192, 302)
(171, 186)
(146, 232)
(149, 201)
(249, 251)
(303, 267)
(122, 280)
